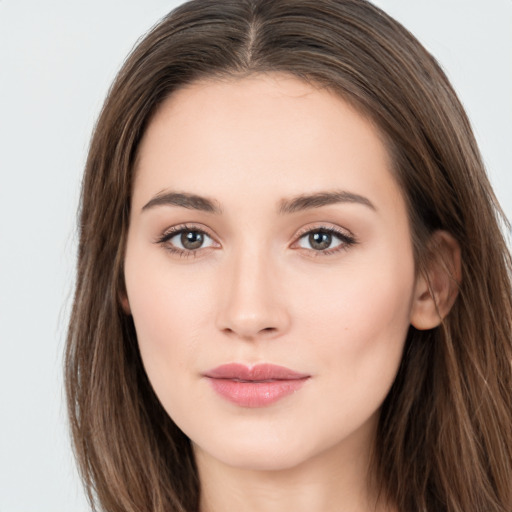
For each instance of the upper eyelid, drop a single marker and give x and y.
(327, 226)
(174, 230)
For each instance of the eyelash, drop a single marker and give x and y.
(347, 240)
(177, 230)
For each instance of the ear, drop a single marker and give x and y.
(437, 285)
(123, 300)
(122, 297)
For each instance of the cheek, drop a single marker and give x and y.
(362, 298)
(169, 311)
(354, 328)
(357, 319)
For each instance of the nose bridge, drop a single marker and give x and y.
(251, 304)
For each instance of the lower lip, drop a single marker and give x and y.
(255, 394)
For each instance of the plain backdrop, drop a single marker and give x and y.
(57, 59)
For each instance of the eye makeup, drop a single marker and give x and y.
(188, 240)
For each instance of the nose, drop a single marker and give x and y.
(251, 305)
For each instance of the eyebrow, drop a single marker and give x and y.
(317, 200)
(185, 200)
(287, 206)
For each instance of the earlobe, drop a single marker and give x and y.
(437, 286)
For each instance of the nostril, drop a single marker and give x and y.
(265, 331)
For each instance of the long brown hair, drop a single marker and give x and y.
(445, 436)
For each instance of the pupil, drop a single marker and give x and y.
(320, 240)
(192, 239)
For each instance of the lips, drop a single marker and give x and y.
(254, 386)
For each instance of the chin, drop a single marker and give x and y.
(259, 453)
(261, 460)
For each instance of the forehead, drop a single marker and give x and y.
(269, 134)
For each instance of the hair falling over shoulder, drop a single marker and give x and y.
(445, 435)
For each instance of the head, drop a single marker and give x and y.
(456, 350)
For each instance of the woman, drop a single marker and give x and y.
(293, 292)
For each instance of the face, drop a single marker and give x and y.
(269, 270)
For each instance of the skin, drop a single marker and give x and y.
(258, 291)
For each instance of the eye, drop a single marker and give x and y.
(325, 240)
(191, 240)
(183, 240)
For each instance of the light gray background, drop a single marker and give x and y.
(57, 59)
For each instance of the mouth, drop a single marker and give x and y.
(254, 386)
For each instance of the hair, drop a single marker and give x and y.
(444, 441)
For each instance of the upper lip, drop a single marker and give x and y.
(256, 373)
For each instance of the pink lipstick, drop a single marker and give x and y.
(255, 386)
